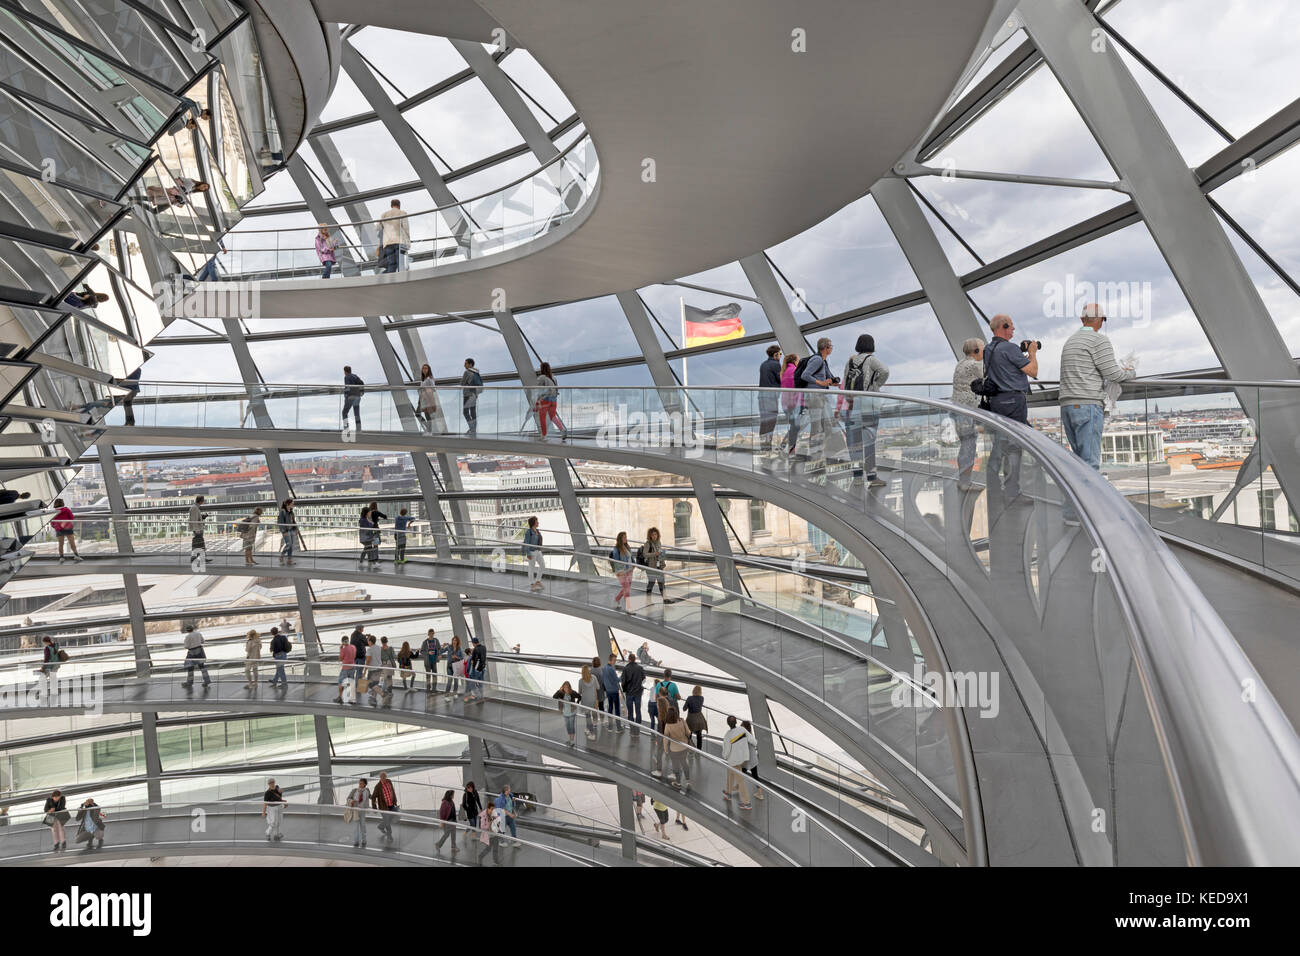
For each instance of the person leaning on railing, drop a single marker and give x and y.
(325, 246)
(1087, 366)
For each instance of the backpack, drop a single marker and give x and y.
(476, 383)
(854, 379)
(640, 555)
(798, 372)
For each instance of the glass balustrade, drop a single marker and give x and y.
(960, 495)
(509, 714)
(506, 218)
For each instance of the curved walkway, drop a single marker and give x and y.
(829, 682)
(704, 115)
(629, 756)
(1087, 657)
(227, 827)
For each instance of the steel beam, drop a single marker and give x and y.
(761, 717)
(404, 136)
(779, 315)
(130, 582)
(152, 756)
(928, 261)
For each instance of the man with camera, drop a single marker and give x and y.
(1009, 368)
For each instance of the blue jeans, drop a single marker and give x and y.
(286, 543)
(1083, 425)
(653, 711)
(352, 402)
(388, 257)
(634, 707)
(326, 268)
(476, 688)
(279, 668)
(611, 703)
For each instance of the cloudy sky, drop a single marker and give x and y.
(1237, 59)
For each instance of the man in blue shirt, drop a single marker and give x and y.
(505, 801)
(818, 379)
(1010, 369)
(399, 536)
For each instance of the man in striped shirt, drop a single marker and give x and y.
(1087, 364)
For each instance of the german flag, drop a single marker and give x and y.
(706, 328)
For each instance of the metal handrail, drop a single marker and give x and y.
(541, 701)
(585, 137)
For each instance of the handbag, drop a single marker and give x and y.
(63, 656)
(49, 819)
(362, 685)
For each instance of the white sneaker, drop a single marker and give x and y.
(61, 559)
(77, 557)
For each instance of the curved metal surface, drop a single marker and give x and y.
(513, 716)
(1201, 764)
(698, 140)
(787, 660)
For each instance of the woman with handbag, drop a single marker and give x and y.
(471, 803)
(696, 722)
(52, 657)
(91, 820)
(56, 815)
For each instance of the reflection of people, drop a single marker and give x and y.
(85, 298)
(132, 385)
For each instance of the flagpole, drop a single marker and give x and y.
(681, 301)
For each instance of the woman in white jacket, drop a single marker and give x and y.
(428, 409)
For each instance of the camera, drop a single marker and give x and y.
(1024, 345)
